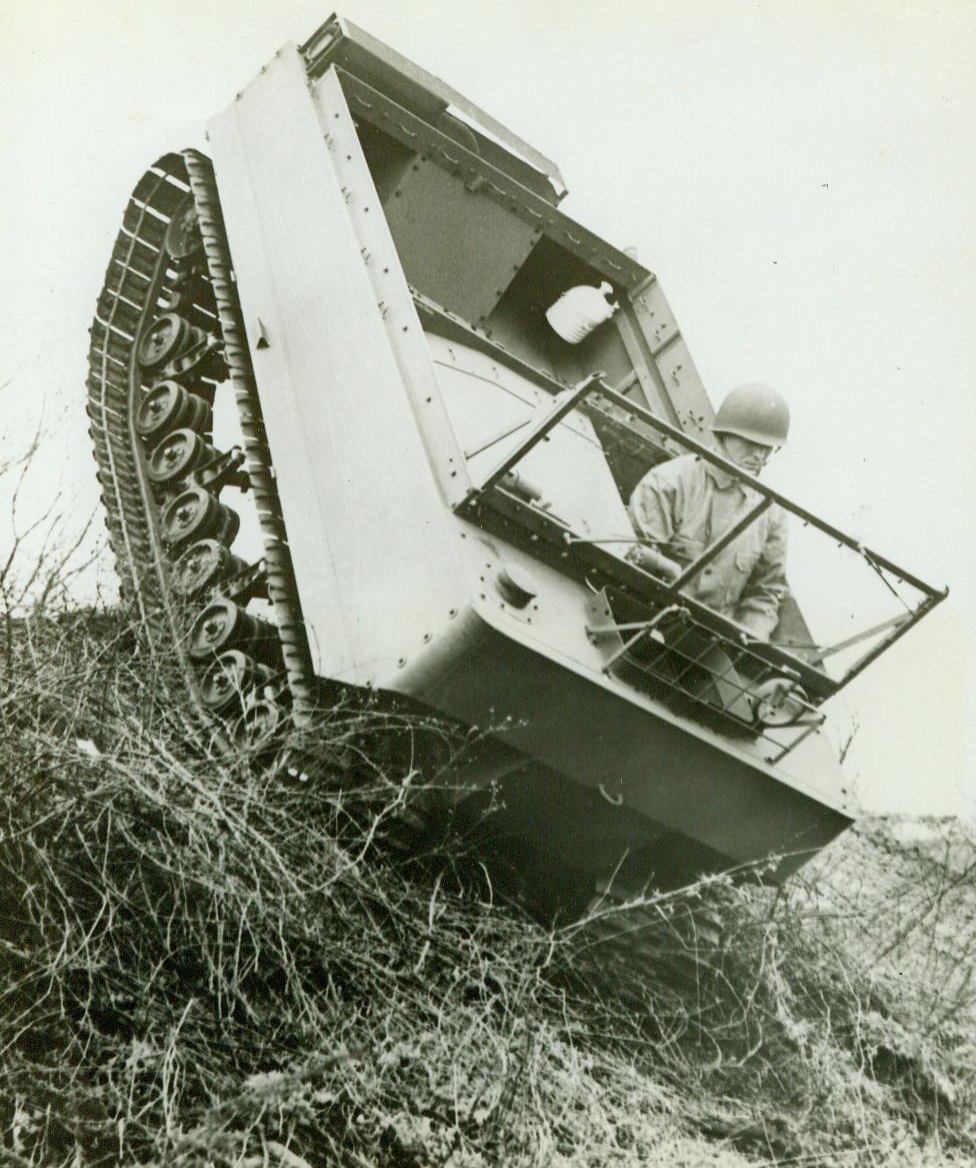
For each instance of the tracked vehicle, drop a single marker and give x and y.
(441, 392)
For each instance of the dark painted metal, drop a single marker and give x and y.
(725, 798)
(340, 42)
(421, 137)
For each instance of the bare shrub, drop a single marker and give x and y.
(220, 958)
(209, 963)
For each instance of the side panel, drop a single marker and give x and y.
(340, 42)
(428, 207)
(491, 406)
(353, 473)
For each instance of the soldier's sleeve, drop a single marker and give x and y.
(651, 507)
(759, 603)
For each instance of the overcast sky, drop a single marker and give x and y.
(799, 175)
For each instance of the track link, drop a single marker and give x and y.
(167, 337)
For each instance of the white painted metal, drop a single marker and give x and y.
(404, 334)
(484, 398)
(368, 419)
(367, 525)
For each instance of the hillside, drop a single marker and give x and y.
(208, 962)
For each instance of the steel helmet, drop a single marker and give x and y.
(755, 412)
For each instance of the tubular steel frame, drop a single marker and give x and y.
(669, 593)
(624, 652)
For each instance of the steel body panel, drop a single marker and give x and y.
(659, 323)
(338, 41)
(646, 317)
(369, 419)
(556, 627)
(494, 409)
(506, 674)
(419, 135)
(405, 337)
(667, 348)
(352, 469)
(485, 398)
(444, 232)
(684, 389)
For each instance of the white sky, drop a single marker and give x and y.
(800, 175)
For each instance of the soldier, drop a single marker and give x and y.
(682, 506)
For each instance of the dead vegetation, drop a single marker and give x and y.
(206, 963)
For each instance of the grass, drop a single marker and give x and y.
(205, 963)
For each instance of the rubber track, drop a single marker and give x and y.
(281, 576)
(132, 296)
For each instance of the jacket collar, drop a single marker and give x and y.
(722, 479)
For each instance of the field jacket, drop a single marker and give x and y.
(684, 505)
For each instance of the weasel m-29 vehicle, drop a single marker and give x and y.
(441, 392)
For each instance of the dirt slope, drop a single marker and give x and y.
(202, 963)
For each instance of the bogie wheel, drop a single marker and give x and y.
(183, 238)
(168, 336)
(197, 514)
(231, 678)
(203, 565)
(225, 625)
(177, 455)
(260, 725)
(169, 406)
